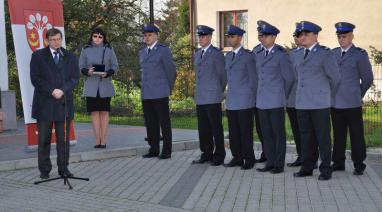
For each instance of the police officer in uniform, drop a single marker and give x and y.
(318, 77)
(346, 113)
(259, 47)
(241, 95)
(158, 78)
(211, 80)
(291, 103)
(275, 81)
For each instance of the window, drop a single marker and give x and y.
(238, 18)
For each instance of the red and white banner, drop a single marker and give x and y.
(30, 20)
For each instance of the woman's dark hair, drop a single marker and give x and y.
(98, 31)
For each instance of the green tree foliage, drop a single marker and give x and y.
(175, 32)
(376, 55)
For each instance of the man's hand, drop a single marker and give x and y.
(57, 93)
(90, 71)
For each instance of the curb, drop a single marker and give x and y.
(374, 155)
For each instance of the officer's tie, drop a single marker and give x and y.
(148, 50)
(266, 52)
(201, 56)
(56, 58)
(343, 53)
(306, 53)
(233, 55)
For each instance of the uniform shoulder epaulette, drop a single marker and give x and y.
(215, 48)
(280, 48)
(361, 49)
(336, 48)
(325, 48)
(296, 49)
(161, 45)
(248, 50)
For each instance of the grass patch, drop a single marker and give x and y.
(372, 123)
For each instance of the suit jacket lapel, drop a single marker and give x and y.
(152, 52)
(269, 57)
(311, 53)
(347, 54)
(237, 56)
(49, 58)
(206, 54)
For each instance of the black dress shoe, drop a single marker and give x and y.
(358, 172)
(338, 167)
(44, 176)
(102, 146)
(200, 161)
(261, 160)
(233, 163)
(150, 155)
(265, 169)
(324, 177)
(97, 146)
(295, 163)
(247, 166)
(162, 156)
(277, 170)
(66, 173)
(302, 174)
(217, 163)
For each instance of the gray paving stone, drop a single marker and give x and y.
(137, 184)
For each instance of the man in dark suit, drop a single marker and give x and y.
(54, 73)
(346, 112)
(158, 80)
(211, 80)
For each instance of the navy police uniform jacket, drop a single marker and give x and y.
(158, 72)
(242, 80)
(275, 78)
(291, 101)
(318, 78)
(211, 77)
(356, 77)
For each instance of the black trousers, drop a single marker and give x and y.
(292, 114)
(44, 129)
(272, 122)
(259, 134)
(240, 127)
(344, 120)
(157, 117)
(211, 136)
(315, 133)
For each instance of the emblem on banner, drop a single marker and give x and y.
(36, 25)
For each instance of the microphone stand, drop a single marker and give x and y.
(64, 175)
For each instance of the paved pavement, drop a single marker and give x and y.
(13, 143)
(137, 184)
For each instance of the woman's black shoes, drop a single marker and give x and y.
(100, 146)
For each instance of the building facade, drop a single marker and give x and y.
(366, 15)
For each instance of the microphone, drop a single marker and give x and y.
(60, 52)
